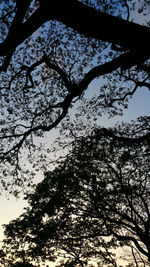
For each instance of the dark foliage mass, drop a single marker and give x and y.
(21, 264)
(95, 200)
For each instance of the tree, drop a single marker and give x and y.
(21, 264)
(96, 200)
(50, 53)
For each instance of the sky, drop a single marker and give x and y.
(139, 106)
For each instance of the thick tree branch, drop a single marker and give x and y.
(134, 240)
(125, 61)
(7, 46)
(136, 140)
(93, 24)
(101, 26)
(21, 33)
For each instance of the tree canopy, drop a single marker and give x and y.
(49, 54)
(96, 200)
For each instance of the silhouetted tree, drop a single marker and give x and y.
(21, 264)
(95, 200)
(50, 52)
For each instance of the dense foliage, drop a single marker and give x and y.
(95, 200)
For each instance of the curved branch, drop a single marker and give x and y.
(128, 9)
(74, 90)
(125, 61)
(130, 93)
(136, 140)
(134, 240)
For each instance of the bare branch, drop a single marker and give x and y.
(128, 9)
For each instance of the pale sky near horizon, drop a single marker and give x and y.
(138, 106)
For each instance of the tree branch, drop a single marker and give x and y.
(125, 61)
(134, 240)
(127, 35)
(136, 140)
(101, 26)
